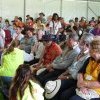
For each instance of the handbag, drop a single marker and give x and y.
(90, 94)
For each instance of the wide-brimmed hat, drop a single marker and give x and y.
(51, 88)
(47, 37)
(42, 14)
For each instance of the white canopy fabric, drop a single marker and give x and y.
(66, 8)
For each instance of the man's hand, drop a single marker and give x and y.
(33, 69)
(38, 65)
(63, 77)
(51, 70)
(50, 67)
(35, 65)
(63, 74)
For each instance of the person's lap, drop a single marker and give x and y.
(32, 62)
(67, 83)
(6, 80)
(68, 93)
(5, 85)
(76, 97)
(46, 75)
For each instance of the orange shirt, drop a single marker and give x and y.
(51, 53)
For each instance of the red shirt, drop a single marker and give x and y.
(51, 53)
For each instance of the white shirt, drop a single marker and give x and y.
(38, 49)
(28, 57)
(55, 26)
(18, 36)
(2, 33)
(1, 42)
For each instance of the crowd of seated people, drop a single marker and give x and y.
(50, 59)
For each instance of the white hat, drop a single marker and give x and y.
(40, 71)
(51, 88)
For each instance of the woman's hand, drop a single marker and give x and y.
(82, 84)
(80, 81)
(84, 90)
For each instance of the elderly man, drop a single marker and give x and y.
(68, 78)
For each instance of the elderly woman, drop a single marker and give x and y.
(88, 85)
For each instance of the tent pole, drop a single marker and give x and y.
(87, 13)
(24, 10)
(61, 3)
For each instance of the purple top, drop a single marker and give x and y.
(96, 31)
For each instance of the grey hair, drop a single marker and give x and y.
(88, 38)
(73, 36)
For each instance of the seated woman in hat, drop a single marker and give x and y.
(25, 86)
(88, 85)
(51, 51)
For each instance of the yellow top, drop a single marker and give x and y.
(37, 92)
(10, 62)
(92, 72)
